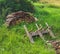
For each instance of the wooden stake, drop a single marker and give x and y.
(28, 34)
(40, 26)
(49, 30)
(39, 32)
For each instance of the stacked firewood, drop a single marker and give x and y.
(18, 17)
(56, 46)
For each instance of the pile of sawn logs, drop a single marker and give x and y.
(17, 17)
(55, 45)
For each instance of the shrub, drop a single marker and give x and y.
(17, 5)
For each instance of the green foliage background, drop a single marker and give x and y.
(14, 40)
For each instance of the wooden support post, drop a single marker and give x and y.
(49, 30)
(40, 34)
(37, 26)
(28, 34)
(40, 26)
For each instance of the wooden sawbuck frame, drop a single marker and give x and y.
(40, 31)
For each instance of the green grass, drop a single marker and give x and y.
(14, 40)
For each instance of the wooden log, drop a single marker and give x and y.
(33, 33)
(44, 32)
(56, 46)
(36, 33)
(28, 34)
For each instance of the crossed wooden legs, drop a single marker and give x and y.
(38, 32)
(28, 34)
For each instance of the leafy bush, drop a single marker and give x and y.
(16, 5)
(9, 6)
